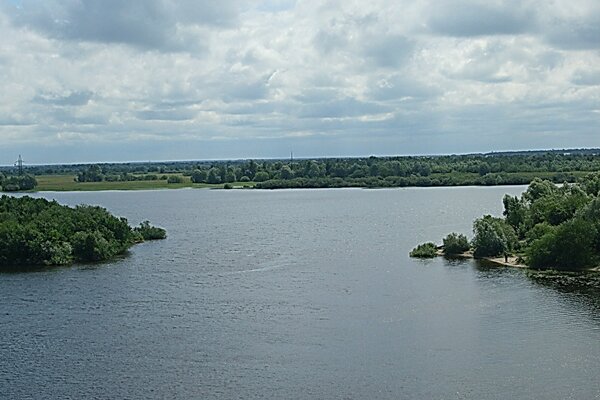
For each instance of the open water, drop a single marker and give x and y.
(297, 294)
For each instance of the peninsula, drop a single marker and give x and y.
(547, 227)
(41, 232)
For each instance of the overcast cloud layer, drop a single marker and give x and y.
(112, 80)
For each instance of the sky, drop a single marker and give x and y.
(114, 80)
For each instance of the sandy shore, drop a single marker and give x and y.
(510, 262)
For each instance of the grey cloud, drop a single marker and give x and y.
(388, 50)
(244, 90)
(575, 34)
(459, 18)
(167, 115)
(586, 78)
(148, 24)
(340, 108)
(328, 42)
(76, 98)
(401, 87)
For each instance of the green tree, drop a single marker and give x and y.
(214, 176)
(569, 246)
(199, 176)
(261, 176)
(455, 244)
(492, 237)
(175, 179)
(425, 250)
(230, 175)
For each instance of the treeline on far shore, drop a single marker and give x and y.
(452, 170)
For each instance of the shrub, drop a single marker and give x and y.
(569, 246)
(175, 179)
(493, 236)
(199, 176)
(455, 243)
(261, 176)
(425, 250)
(149, 232)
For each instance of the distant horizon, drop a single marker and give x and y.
(580, 149)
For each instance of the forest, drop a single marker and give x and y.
(548, 227)
(42, 232)
(449, 170)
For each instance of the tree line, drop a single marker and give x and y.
(455, 170)
(15, 183)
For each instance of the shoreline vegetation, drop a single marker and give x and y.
(491, 169)
(39, 232)
(547, 227)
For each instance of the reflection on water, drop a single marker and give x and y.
(297, 294)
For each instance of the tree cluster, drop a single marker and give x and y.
(42, 232)
(548, 226)
(15, 183)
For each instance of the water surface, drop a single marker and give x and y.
(296, 294)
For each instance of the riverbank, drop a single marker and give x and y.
(67, 183)
(511, 261)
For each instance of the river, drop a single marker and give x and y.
(296, 294)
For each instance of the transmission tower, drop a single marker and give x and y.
(19, 165)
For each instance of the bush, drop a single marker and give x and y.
(199, 176)
(261, 176)
(92, 246)
(456, 243)
(425, 250)
(228, 186)
(570, 246)
(19, 182)
(175, 179)
(149, 232)
(493, 236)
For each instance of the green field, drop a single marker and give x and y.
(66, 183)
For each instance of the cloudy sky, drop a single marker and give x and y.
(113, 80)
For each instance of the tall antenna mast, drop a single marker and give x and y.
(292, 156)
(19, 165)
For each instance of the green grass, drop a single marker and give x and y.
(66, 183)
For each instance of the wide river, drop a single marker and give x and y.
(297, 294)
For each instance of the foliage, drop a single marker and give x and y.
(425, 250)
(550, 226)
(261, 176)
(569, 246)
(175, 179)
(199, 176)
(18, 182)
(492, 237)
(149, 232)
(455, 243)
(454, 170)
(42, 232)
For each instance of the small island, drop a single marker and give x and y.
(548, 227)
(39, 232)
